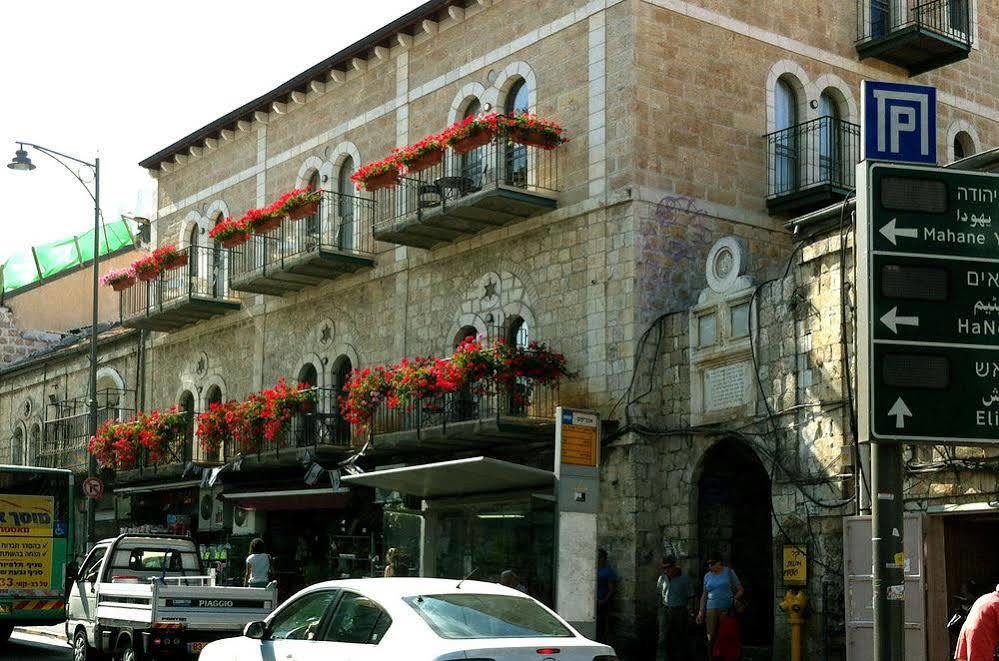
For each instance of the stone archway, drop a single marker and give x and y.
(734, 520)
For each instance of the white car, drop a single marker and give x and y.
(409, 619)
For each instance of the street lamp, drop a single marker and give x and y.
(22, 162)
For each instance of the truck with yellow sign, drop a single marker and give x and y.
(36, 542)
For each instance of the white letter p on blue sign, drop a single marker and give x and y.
(899, 122)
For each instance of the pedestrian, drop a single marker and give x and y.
(258, 565)
(390, 557)
(722, 590)
(676, 596)
(510, 579)
(979, 637)
(606, 587)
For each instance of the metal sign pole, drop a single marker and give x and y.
(887, 554)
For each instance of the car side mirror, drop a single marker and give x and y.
(256, 630)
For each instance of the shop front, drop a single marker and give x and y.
(478, 518)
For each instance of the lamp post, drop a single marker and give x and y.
(22, 162)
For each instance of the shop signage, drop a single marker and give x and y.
(795, 565)
(928, 274)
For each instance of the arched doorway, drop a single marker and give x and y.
(186, 405)
(214, 396)
(733, 519)
(304, 425)
(342, 369)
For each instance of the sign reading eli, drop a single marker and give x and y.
(928, 304)
(900, 122)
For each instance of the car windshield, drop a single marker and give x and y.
(458, 616)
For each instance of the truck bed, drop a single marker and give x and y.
(208, 608)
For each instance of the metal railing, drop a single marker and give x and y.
(203, 276)
(65, 438)
(527, 401)
(878, 19)
(319, 425)
(823, 151)
(341, 224)
(499, 163)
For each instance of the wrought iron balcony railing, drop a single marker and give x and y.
(490, 186)
(811, 164)
(182, 296)
(451, 414)
(316, 427)
(299, 253)
(917, 34)
(65, 438)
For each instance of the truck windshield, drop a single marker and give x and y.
(459, 616)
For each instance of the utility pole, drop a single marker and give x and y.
(888, 556)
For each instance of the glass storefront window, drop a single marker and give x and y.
(491, 538)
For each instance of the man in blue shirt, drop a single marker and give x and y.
(675, 596)
(606, 586)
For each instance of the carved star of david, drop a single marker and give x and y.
(490, 290)
(202, 365)
(326, 334)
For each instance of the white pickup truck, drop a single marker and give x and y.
(146, 597)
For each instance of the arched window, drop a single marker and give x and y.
(964, 146)
(304, 425)
(34, 445)
(313, 224)
(786, 139)
(517, 333)
(186, 405)
(308, 376)
(217, 260)
(830, 166)
(471, 163)
(17, 447)
(516, 154)
(192, 242)
(465, 405)
(108, 394)
(345, 205)
(214, 396)
(342, 369)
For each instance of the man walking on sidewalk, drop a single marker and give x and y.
(675, 595)
(979, 638)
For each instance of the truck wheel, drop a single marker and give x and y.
(81, 650)
(128, 654)
(5, 631)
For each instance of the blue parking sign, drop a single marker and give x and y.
(899, 122)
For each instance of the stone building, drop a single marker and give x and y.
(657, 249)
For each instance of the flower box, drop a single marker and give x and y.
(175, 261)
(261, 221)
(123, 283)
(235, 240)
(533, 138)
(146, 269)
(386, 179)
(473, 141)
(304, 211)
(425, 160)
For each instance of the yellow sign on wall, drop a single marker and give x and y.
(795, 566)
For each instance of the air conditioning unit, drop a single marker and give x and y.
(213, 513)
(248, 522)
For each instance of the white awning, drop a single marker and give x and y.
(459, 477)
(149, 488)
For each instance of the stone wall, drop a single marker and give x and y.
(16, 344)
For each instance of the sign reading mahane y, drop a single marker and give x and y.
(928, 309)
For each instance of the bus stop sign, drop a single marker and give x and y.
(928, 304)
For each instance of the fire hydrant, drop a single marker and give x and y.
(794, 605)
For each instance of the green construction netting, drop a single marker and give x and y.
(52, 258)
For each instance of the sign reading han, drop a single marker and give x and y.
(899, 122)
(928, 308)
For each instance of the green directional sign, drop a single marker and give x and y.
(928, 304)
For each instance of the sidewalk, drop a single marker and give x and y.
(54, 631)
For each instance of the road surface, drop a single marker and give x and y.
(29, 647)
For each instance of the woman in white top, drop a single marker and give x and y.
(258, 565)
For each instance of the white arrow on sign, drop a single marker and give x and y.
(900, 411)
(893, 321)
(892, 233)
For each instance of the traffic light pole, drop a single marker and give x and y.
(888, 557)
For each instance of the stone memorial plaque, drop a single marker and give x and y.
(726, 386)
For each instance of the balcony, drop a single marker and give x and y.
(322, 431)
(811, 165)
(302, 253)
(465, 420)
(488, 187)
(183, 296)
(915, 35)
(66, 430)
